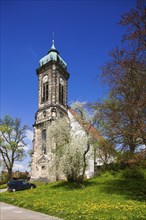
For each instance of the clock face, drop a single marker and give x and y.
(45, 78)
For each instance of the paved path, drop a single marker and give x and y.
(10, 212)
(3, 190)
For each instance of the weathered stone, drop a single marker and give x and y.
(54, 106)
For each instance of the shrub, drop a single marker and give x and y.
(133, 172)
(2, 182)
(4, 177)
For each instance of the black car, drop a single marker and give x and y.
(14, 185)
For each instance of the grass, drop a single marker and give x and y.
(3, 186)
(101, 198)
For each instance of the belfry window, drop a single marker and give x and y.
(61, 91)
(44, 141)
(45, 89)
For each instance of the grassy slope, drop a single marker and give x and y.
(3, 186)
(103, 198)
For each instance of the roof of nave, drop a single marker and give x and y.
(86, 126)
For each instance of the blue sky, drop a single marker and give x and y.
(85, 32)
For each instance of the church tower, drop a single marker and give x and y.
(52, 95)
(52, 104)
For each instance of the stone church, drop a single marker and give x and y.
(52, 104)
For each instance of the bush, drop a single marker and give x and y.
(4, 177)
(2, 182)
(133, 172)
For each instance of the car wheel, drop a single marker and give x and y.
(31, 187)
(13, 190)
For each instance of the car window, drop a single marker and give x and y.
(20, 183)
(24, 183)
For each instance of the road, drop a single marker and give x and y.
(10, 212)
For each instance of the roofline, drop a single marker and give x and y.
(88, 127)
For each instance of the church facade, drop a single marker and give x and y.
(52, 104)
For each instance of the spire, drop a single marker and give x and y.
(53, 54)
(53, 46)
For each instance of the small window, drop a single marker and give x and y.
(44, 141)
(43, 170)
(44, 134)
(61, 91)
(45, 89)
(43, 167)
(44, 114)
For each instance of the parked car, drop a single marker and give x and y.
(14, 185)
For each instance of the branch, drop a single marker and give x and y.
(2, 153)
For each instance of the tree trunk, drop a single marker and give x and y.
(10, 173)
(84, 160)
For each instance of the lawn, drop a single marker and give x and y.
(3, 186)
(103, 198)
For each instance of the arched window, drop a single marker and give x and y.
(61, 91)
(45, 89)
(44, 141)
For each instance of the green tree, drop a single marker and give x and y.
(12, 143)
(105, 151)
(59, 134)
(86, 118)
(71, 147)
(73, 160)
(123, 115)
